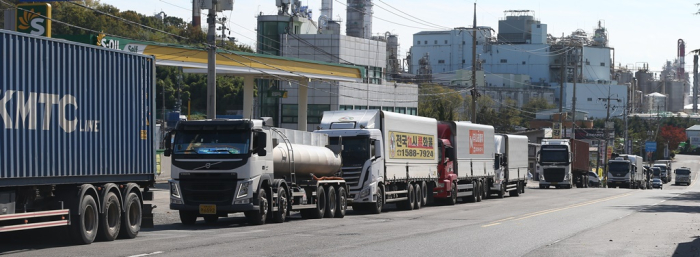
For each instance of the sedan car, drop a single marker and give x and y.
(657, 183)
(593, 179)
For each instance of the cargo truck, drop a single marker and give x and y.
(387, 158)
(665, 170)
(682, 176)
(76, 137)
(511, 165)
(224, 166)
(466, 168)
(564, 162)
(626, 171)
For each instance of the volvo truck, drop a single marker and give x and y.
(510, 165)
(387, 157)
(626, 171)
(564, 163)
(224, 166)
(466, 167)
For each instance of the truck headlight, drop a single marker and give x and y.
(243, 189)
(174, 190)
(365, 192)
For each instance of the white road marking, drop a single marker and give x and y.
(147, 254)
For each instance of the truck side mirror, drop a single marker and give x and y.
(261, 140)
(377, 149)
(168, 144)
(497, 162)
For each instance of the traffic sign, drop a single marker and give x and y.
(650, 146)
(277, 94)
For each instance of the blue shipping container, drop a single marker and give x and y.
(74, 113)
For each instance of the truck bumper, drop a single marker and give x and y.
(367, 194)
(219, 209)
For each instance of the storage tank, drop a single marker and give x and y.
(655, 102)
(308, 160)
(359, 18)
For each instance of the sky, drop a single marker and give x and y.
(641, 31)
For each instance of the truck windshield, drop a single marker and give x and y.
(212, 142)
(619, 167)
(682, 172)
(554, 154)
(355, 150)
(662, 168)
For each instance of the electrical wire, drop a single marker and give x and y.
(421, 22)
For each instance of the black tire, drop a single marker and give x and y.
(522, 188)
(377, 207)
(84, 227)
(424, 194)
(477, 190)
(211, 218)
(331, 201)
(321, 202)
(188, 217)
(259, 217)
(282, 206)
(502, 191)
(342, 204)
(411, 198)
(516, 191)
(111, 219)
(131, 219)
(472, 198)
(453, 195)
(485, 190)
(417, 191)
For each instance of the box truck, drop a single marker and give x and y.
(626, 171)
(511, 165)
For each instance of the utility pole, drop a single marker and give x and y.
(695, 83)
(573, 100)
(562, 79)
(474, 91)
(211, 62)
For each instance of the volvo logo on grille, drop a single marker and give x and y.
(208, 165)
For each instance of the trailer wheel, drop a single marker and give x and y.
(260, 216)
(453, 195)
(342, 204)
(418, 196)
(320, 204)
(131, 220)
(84, 227)
(424, 194)
(516, 191)
(477, 191)
(410, 198)
(522, 189)
(485, 190)
(282, 206)
(110, 220)
(331, 201)
(472, 198)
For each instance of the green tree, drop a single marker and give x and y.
(508, 117)
(533, 106)
(438, 102)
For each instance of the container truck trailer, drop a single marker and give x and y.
(511, 165)
(387, 157)
(76, 138)
(226, 166)
(564, 162)
(466, 168)
(626, 171)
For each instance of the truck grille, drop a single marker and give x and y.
(619, 174)
(554, 175)
(208, 188)
(352, 177)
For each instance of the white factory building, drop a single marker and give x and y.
(523, 46)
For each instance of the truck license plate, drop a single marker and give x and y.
(207, 209)
(554, 183)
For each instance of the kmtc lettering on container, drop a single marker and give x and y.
(28, 105)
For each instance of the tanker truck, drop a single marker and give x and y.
(224, 166)
(387, 157)
(466, 168)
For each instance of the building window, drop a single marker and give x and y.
(464, 61)
(388, 109)
(504, 60)
(313, 115)
(412, 111)
(446, 42)
(360, 107)
(436, 42)
(418, 42)
(400, 110)
(590, 99)
(345, 107)
(426, 42)
(441, 61)
(602, 64)
(523, 62)
(463, 42)
(538, 26)
(375, 108)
